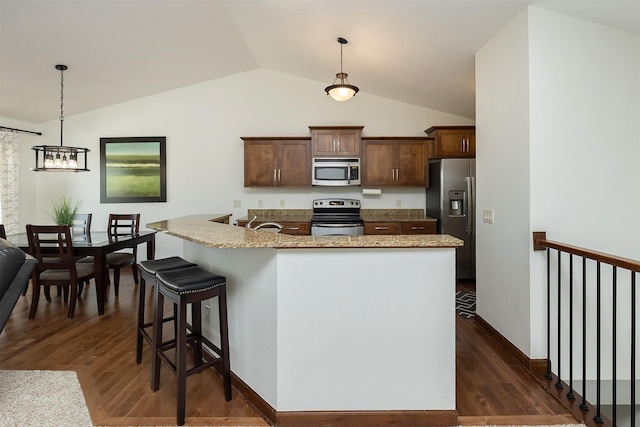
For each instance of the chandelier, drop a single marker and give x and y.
(341, 90)
(60, 158)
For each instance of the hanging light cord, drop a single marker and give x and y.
(61, 102)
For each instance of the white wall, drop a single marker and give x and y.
(579, 81)
(502, 167)
(203, 125)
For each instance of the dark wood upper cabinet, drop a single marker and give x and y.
(273, 162)
(395, 162)
(453, 141)
(335, 141)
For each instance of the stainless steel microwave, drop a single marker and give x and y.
(335, 171)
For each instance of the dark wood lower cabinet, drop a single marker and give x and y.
(400, 227)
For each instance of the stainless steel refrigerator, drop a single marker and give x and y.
(451, 199)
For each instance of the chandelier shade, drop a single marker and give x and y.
(341, 89)
(58, 158)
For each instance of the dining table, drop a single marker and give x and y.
(98, 244)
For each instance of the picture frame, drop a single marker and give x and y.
(133, 169)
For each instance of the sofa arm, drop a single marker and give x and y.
(15, 271)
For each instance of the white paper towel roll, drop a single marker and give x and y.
(371, 191)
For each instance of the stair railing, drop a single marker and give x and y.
(560, 327)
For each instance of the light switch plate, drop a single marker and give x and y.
(487, 216)
(236, 203)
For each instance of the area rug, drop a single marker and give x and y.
(42, 398)
(466, 304)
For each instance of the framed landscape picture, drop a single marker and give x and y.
(133, 170)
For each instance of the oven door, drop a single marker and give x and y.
(326, 229)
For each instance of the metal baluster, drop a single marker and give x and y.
(633, 348)
(559, 382)
(583, 405)
(613, 344)
(548, 374)
(570, 394)
(597, 418)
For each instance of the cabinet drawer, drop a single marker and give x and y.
(382, 228)
(297, 228)
(419, 227)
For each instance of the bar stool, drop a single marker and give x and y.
(148, 270)
(190, 285)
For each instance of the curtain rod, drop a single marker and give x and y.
(21, 130)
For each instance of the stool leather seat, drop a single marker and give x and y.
(148, 270)
(190, 285)
(152, 266)
(190, 279)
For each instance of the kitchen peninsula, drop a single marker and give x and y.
(342, 330)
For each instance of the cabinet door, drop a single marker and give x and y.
(348, 143)
(323, 142)
(294, 164)
(335, 142)
(378, 163)
(413, 163)
(455, 143)
(260, 163)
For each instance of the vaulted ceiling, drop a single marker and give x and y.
(415, 51)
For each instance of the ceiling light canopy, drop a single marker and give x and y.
(60, 158)
(341, 90)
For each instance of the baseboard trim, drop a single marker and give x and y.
(530, 364)
(339, 418)
(367, 418)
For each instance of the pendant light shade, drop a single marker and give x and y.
(60, 158)
(341, 90)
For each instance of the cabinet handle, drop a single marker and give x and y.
(278, 175)
(417, 228)
(292, 228)
(380, 228)
(462, 145)
(275, 177)
(393, 174)
(334, 145)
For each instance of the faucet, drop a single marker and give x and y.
(251, 222)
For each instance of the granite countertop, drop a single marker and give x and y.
(201, 230)
(304, 215)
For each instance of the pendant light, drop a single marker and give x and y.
(341, 90)
(60, 158)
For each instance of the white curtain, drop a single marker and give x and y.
(9, 162)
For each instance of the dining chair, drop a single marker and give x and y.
(52, 246)
(81, 229)
(81, 224)
(123, 225)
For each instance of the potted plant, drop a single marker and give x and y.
(63, 210)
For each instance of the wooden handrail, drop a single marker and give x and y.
(540, 242)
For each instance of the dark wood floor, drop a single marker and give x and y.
(492, 388)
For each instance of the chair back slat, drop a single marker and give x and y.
(51, 245)
(81, 224)
(3, 233)
(123, 224)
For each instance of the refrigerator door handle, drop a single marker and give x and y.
(468, 202)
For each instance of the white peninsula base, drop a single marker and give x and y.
(339, 332)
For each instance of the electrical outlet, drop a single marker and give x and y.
(237, 203)
(282, 203)
(398, 203)
(207, 312)
(487, 216)
(260, 203)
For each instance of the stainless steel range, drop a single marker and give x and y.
(336, 217)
